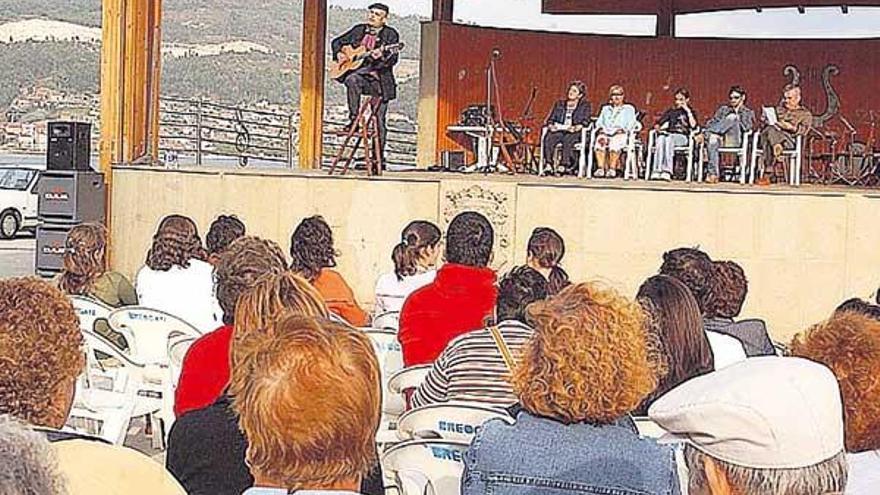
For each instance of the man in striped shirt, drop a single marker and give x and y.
(472, 368)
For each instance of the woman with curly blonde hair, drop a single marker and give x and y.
(176, 277)
(849, 344)
(85, 268)
(587, 366)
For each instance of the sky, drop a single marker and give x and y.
(783, 23)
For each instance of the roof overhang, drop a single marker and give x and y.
(653, 7)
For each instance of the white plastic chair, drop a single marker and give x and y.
(457, 421)
(741, 152)
(426, 466)
(647, 427)
(150, 330)
(582, 146)
(177, 347)
(390, 357)
(687, 149)
(88, 310)
(630, 168)
(106, 396)
(389, 320)
(795, 159)
(408, 378)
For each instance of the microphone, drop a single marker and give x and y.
(496, 53)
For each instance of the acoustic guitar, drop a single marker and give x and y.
(356, 58)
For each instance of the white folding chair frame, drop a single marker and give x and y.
(583, 146)
(795, 159)
(742, 151)
(688, 150)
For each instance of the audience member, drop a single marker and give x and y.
(684, 344)
(176, 278)
(308, 396)
(849, 344)
(313, 256)
(415, 260)
(877, 297)
(587, 366)
(673, 129)
(459, 300)
(857, 305)
(697, 272)
(723, 302)
(616, 120)
(473, 367)
(567, 118)
(29, 463)
(42, 356)
(205, 370)
(205, 448)
(545, 251)
(85, 268)
(224, 229)
(764, 426)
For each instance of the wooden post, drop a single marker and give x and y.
(155, 75)
(666, 19)
(442, 10)
(112, 37)
(311, 98)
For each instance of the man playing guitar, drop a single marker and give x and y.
(376, 76)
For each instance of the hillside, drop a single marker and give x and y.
(263, 74)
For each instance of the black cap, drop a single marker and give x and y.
(379, 6)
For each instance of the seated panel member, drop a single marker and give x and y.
(793, 120)
(615, 121)
(675, 126)
(726, 128)
(566, 120)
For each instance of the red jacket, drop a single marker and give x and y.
(459, 300)
(205, 371)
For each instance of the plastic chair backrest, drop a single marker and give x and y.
(648, 428)
(440, 462)
(389, 320)
(151, 330)
(447, 421)
(408, 378)
(88, 310)
(411, 482)
(177, 347)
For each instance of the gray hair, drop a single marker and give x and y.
(827, 477)
(29, 463)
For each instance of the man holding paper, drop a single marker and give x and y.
(784, 124)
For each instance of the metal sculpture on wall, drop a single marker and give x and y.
(792, 73)
(832, 107)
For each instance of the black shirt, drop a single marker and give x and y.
(206, 453)
(678, 121)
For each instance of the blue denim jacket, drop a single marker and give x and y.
(539, 456)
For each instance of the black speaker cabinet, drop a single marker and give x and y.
(70, 146)
(452, 160)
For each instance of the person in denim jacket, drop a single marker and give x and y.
(589, 363)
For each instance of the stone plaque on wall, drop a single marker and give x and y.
(496, 201)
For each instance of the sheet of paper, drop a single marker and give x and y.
(770, 116)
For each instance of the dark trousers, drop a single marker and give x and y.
(770, 137)
(567, 139)
(362, 83)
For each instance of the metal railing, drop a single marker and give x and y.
(208, 132)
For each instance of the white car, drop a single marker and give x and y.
(18, 200)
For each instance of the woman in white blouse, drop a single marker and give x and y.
(415, 260)
(176, 278)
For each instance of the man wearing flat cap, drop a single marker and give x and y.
(763, 426)
(376, 77)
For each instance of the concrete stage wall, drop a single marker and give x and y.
(803, 251)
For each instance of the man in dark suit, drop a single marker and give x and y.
(376, 76)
